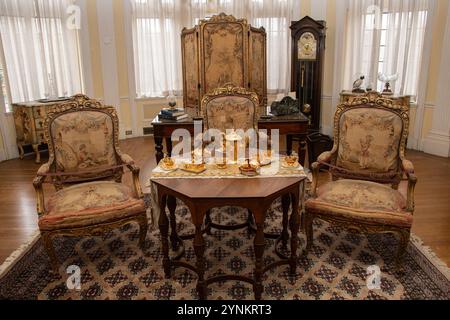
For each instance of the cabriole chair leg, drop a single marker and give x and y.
(403, 244)
(48, 244)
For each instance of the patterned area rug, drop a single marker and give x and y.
(113, 266)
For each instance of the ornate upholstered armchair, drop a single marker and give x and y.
(86, 166)
(367, 163)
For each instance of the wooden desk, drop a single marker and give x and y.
(292, 125)
(254, 194)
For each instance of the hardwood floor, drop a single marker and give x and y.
(18, 219)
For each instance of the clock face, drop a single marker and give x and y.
(307, 47)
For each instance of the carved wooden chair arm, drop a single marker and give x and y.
(412, 180)
(408, 169)
(44, 169)
(126, 159)
(323, 159)
(407, 166)
(136, 183)
(130, 164)
(326, 156)
(38, 181)
(40, 201)
(315, 168)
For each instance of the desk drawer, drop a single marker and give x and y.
(39, 123)
(40, 136)
(39, 111)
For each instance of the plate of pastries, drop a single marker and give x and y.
(193, 166)
(290, 162)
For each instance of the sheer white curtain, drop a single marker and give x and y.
(385, 36)
(41, 52)
(157, 25)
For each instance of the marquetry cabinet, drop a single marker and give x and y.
(221, 50)
(29, 118)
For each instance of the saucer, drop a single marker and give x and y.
(193, 168)
(171, 168)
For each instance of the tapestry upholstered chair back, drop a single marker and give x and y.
(230, 108)
(370, 138)
(82, 136)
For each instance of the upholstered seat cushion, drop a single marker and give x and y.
(361, 200)
(88, 204)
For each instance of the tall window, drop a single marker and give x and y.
(3, 90)
(386, 39)
(157, 25)
(41, 50)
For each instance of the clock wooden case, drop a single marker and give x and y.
(308, 47)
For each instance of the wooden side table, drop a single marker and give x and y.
(255, 194)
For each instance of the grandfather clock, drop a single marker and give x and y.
(308, 46)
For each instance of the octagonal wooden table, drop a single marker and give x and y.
(255, 194)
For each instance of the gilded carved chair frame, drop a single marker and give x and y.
(60, 180)
(405, 167)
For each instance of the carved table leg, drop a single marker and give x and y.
(259, 244)
(302, 151)
(38, 155)
(199, 249)
(164, 229)
(294, 226)
(208, 222)
(169, 146)
(289, 144)
(172, 206)
(285, 203)
(159, 149)
(250, 221)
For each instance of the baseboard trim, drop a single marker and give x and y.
(147, 130)
(437, 143)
